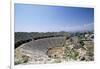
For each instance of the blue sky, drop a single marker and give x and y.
(44, 18)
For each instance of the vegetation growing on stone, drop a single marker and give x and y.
(56, 49)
